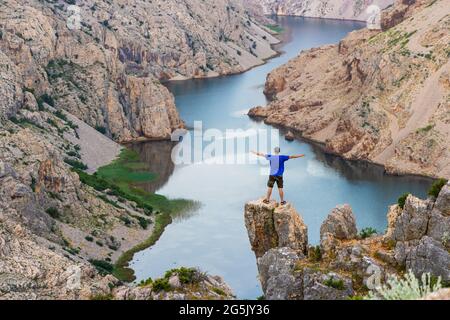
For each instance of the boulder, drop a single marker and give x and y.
(443, 201)
(429, 256)
(439, 228)
(340, 224)
(276, 273)
(270, 226)
(412, 223)
(289, 136)
(329, 286)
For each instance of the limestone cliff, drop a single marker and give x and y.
(381, 96)
(103, 61)
(329, 9)
(347, 264)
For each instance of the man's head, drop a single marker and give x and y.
(277, 150)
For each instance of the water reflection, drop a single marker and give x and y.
(157, 155)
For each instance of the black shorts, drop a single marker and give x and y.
(277, 179)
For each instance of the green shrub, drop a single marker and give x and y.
(146, 282)
(143, 222)
(76, 164)
(402, 200)
(100, 129)
(437, 187)
(53, 212)
(45, 98)
(100, 297)
(367, 232)
(219, 291)
(186, 275)
(60, 115)
(89, 238)
(161, 285)
(102, 266)
(334, 283)
(99, 243)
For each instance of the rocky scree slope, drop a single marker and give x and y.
(389, 102)
(107, 72)
(345, 264)
(329, 9)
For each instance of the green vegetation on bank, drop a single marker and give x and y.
(122, 178)
(274, 28)
(121, 268)
(187, 276)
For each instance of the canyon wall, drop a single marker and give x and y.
(103, 61)
(329, 9)
(381, 96)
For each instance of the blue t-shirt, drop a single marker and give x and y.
(277, 164)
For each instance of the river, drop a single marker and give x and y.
(214, 237)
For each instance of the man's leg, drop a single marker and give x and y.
(269, 194)
(281, 194)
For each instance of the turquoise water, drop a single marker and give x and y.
(214, 237)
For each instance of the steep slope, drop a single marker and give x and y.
(330, 9)
(105, 67)
(377, 96)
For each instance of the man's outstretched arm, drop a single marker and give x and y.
(260, 154)
(297, 156)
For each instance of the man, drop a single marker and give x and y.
(276, 172)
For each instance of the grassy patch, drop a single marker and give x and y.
(186, 275)
(425, 129)
(161, 285)
(335, 283)
(367, 232)
(274, 28)
(53, 212)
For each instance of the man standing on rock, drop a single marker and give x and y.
(276, 172)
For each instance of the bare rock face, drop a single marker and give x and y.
(271, 226)
(389, 103)
(420, 232)
(429, 256)
(340, 223)
(278, 279)
(412, 224)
